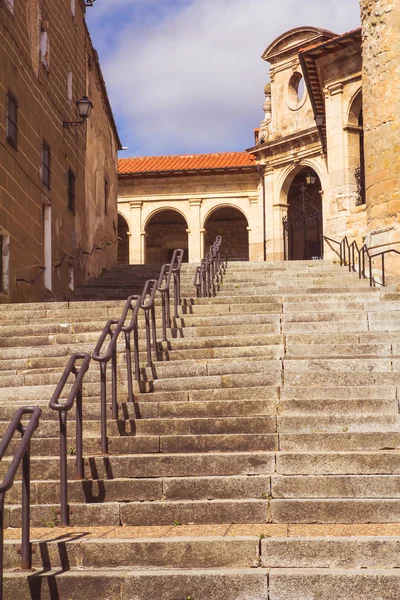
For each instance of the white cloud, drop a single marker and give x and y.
(192, 81)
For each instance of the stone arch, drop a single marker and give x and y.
(303, 224)
(231, 223)
(288, 175)
(166, 230)
(123, 240)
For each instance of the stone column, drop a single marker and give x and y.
(195, 231)
(136, 257)
(381, 111)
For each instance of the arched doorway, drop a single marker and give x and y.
(303, 224)
(231, 224)
(165, 232)
(123, 241)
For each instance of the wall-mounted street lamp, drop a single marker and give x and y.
(311, 179)
(84, 109)
(89, 2)
(320, 120)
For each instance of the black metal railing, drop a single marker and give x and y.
(114, 327)
(74, 397)
(81, 252)
(21, 455)
(210, 272)
(356, 259)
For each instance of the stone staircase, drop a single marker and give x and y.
(259, 461)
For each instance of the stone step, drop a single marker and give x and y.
(337, 391)
(338, 510)
(218, 584)
(146, 513)
(131, 489)
(341, 442)
(338, 463)
(336, 486)
(130, 444)
(168, 426)
(146, 466)
(333, 407)
(155, 410)
(340, 584)
(351, 423)
(147, 553)
(330, 553)
(341, 350)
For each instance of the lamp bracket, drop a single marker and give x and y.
(70, 124)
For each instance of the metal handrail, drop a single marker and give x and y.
(132, 304)
(210, 272)
(70, 257)
(22, 454)
(63, 408)
(347, 254)
(113, 329)
(163, 285)
(86, 252)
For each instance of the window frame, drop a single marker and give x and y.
(71, 191)
(46, 168)
(12, 122)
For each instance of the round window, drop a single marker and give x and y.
(296, 91)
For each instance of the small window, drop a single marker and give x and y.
(10, 5)
(46, 156)
(106, 193)
(71, 190)
(12, 121)
(73, 8)
(44, 48)
(69, 86)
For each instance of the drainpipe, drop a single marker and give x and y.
(260, 171)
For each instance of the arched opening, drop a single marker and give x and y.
(123, 241)
(356, 146)
(231, 224)
(303, 223)
(165, 232)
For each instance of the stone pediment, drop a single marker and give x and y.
(291, 41)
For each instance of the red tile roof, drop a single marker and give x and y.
(191, 162)
(335, 39)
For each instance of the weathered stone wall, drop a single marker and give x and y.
(381, 92)
(235, 238)
(46, 86)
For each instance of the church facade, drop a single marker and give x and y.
(303, 183)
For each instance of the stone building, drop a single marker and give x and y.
(58, 183)
(184, 202)
(307, 163)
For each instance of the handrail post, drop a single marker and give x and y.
(136, 352)
(80, 473)
(114, 384)
(371, 279)
(164, 315)
(148, 338)
(177, 292)
(63, 469)
(129, 364)
(26, 549)
(103, 408)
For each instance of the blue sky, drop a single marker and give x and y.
(185, 76)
